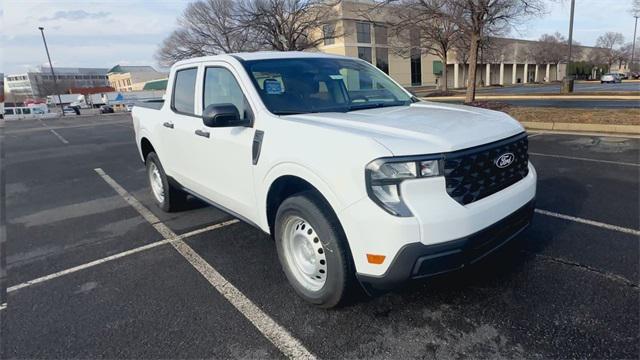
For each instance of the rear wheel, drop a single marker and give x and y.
(313, 250)
(168, 197)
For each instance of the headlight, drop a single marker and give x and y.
(383, 177)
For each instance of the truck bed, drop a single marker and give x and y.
(151, 104)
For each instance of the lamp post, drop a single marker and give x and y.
(567, 83)
(633, 47)
(53, 74)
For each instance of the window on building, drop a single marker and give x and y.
(382, 59)
(380, 34)
(364, 53)
(416, 67)
(329, 31)
(184, 90)
(221, 87)
(363, 32)
(129, 82)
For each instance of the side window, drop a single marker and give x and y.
(8, 111)
(26, 111)
(221, 87)
(184, 90)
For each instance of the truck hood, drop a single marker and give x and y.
(421, 128)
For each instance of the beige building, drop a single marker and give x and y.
(366, 37)
(132, 78)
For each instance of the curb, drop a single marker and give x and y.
(605, 128)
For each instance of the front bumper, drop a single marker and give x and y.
(417, 260)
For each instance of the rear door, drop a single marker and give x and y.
(176, 130)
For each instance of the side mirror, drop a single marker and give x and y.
(222, 115)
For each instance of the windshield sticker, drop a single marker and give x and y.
(272, 87)
(336, 77)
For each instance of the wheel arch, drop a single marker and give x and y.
(287, 182)
(145, 148)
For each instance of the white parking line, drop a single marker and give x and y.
(64, 141)
(585, 159)
(274, 332)
(3, 306)
(589, 222)
(534, 135)
(118, 256)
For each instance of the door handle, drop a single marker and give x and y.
(168, 125)
(202, 133)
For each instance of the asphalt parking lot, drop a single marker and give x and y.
(90, 274)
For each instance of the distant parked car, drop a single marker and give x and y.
(128, 107)
(71, 110)
(106, 109)
(623, 76)
(635, 75)
(610, 78)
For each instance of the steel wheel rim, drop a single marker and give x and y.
(304, 253)
(155, 179)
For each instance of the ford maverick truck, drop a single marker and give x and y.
(357, 181)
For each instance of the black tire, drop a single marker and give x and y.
(174, 198)
(340, 280)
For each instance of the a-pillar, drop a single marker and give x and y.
(514, 73)
(501, 73)
(488, 75)
(547, 78)
(526, 73)
(455, 75)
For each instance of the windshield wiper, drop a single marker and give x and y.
(365, 105)
(289, 112)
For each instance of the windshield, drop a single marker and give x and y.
(297, 86)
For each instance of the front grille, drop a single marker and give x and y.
(472, 174)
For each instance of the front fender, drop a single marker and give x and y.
(303, 172)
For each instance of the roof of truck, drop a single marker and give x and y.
(261, 55)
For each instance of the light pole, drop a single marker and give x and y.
(53, 74)
(567, 84)
(633, 47)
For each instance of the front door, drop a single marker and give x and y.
(224, 170)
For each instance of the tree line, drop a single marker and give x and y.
(470, 29)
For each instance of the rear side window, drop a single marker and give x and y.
(8, 111)
(184, 90)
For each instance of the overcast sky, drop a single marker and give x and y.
(109, 32)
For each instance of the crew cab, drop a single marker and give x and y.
(356, 180)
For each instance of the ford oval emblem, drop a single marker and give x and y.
(505, 160)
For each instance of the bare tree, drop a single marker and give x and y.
(207, 27)
(481, 18)
(417, 26)
(550, 49)
(609, 44)
(288, 25)
(624, 55)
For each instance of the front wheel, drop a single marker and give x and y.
(313, 250)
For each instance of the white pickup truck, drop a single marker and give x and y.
(355, 179)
